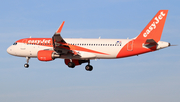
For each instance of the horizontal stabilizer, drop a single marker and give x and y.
(150, 42)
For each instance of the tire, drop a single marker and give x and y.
(71, 65)
(89, 68)
(26, 65)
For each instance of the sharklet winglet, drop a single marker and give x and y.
(60, 28)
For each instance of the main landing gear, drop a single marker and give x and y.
(71, 65)
(26, 65)
(89, 67)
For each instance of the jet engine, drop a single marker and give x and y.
(47, 55)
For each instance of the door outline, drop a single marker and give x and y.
(130, 46)
(23, 44)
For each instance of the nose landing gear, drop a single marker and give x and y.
(26, 65)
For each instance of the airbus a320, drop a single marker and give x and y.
(78, 51)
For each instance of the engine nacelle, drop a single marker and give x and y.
(75, 61)
(46, 55)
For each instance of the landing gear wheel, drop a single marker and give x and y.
(26, 65)
(71, 65)
(89, 68)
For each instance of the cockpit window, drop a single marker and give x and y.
(15, 43)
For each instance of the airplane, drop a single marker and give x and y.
(78, 51)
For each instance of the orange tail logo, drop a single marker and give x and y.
(155, 27)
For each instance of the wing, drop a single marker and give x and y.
(59, 44)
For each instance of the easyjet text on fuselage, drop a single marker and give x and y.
(39, 41)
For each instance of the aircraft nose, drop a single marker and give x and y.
(10, 51)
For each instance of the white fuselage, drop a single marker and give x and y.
(109, 46)
(99, 48)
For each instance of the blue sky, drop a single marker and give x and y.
(151, 77)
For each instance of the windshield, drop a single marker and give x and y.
(15, 43)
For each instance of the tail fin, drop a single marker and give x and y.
(155, 27)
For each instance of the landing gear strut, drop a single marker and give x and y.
(26, 65)
(89, 67)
